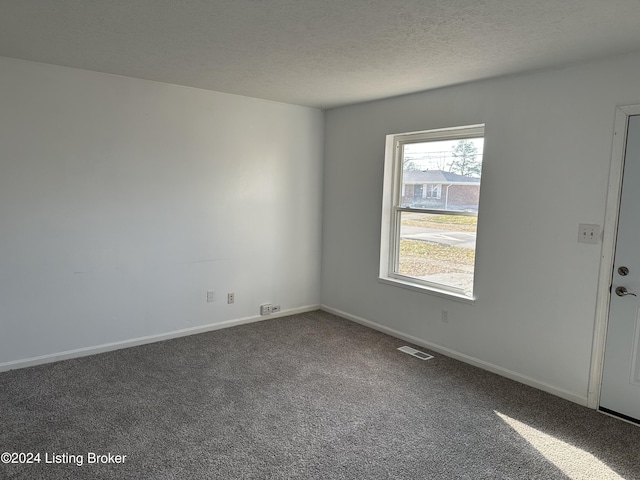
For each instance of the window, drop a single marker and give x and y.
(430, 209)
(433, 191)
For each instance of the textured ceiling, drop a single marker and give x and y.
(318, 53)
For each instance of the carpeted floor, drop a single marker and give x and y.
(311, 396)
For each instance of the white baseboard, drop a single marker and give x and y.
(107, 347)
(532, 382)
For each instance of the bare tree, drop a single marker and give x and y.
(465, 159)
(409, 165)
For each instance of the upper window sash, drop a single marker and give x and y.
(461, 133)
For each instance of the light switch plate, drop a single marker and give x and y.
(588, 233)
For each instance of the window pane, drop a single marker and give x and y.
(438, 248)
(442, 175)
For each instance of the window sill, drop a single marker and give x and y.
(458, 297)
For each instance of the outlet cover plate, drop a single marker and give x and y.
(265, 309)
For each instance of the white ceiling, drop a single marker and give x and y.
(318, 53)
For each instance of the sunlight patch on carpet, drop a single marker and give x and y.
(572, 461)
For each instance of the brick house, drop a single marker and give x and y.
(439, 190)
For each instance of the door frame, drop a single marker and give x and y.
(609, 238)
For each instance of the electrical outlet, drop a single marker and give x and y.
(275, 309)
(231, 297)
(445, 316)
(211, 295)
(265, 309)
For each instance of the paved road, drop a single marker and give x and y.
(444, 237)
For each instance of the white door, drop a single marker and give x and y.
(620, 392)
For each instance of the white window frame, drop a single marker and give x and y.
(391, 210)
(433, 190)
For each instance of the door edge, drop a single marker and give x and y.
(610, 231)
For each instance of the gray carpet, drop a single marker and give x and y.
(311, 396)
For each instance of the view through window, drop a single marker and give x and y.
(435, 208)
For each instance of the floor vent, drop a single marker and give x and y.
(416, 353)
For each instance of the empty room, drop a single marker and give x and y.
(273, 239)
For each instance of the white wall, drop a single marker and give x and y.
(122, 201)
(547, 154)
